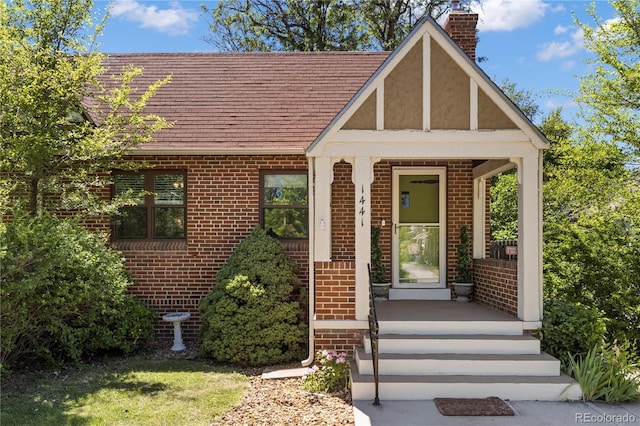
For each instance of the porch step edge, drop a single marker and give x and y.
(451, 327)
(516, 388)
(455, 343)
(459, 364)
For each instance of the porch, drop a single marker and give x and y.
(446, 311)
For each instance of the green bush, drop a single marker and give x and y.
(609, 373)
(63, 294)
(250, 317)
(570, 329)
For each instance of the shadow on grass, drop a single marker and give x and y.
(117, 391)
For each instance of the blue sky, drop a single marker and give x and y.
(533, 43)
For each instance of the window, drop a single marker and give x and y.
(160, 210)
(283, 203)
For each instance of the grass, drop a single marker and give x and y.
(124, 392)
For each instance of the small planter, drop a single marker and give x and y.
(381, 291)
(464, 291)
(464, 273)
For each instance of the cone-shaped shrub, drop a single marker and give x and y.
(250, 317)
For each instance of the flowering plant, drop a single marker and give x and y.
(330, 375)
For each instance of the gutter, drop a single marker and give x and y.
(311, 190)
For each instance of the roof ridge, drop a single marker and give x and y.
(297, 53)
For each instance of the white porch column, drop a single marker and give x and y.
(322, 214)
(479, 217)
(362, 177)
(529, 241)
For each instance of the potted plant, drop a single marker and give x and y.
(378, 271)
(463, 285)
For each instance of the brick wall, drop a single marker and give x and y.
(459, 210)
(459, 204)
(339, 340)
(222, 209)
(496, 284)
(343, 212)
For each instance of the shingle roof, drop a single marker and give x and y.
(252, 101)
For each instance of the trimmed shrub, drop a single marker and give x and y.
(249, 318)
(63, 294)
(569, 329)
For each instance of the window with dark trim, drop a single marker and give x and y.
(284, 210)
(160, 211)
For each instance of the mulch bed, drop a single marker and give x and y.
(283, 402)
(492, 406)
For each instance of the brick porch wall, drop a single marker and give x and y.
(496, 284)
(222, 209)
(339, 340)
(335, 287)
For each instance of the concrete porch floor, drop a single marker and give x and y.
(437, 310)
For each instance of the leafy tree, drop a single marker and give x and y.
(610, 95)
(525, 99)
(290, 25)
(388, 22)
(504, 187)
(61, 128)
(317, 25)
(592, 224)
(592, 215)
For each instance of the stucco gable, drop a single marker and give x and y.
(429, 84)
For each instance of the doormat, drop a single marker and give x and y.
(492, 406)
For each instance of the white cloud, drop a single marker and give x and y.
(506, 15)
(175, 20)
(562, 49)
(555, 103)
(558, 8)
(560, 29)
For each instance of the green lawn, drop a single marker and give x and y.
(124, 392)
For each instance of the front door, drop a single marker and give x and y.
(419, 227)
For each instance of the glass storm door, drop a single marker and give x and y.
(419, 237)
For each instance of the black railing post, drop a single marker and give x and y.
(373, 335)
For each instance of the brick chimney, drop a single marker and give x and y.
(461, 27)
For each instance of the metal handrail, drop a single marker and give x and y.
(374, 330)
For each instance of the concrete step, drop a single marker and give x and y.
(510, 328)
(454, 343)
(518, 388)
(459, 364)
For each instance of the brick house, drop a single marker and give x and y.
(320, 147)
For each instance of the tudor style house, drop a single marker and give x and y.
(320, 147)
